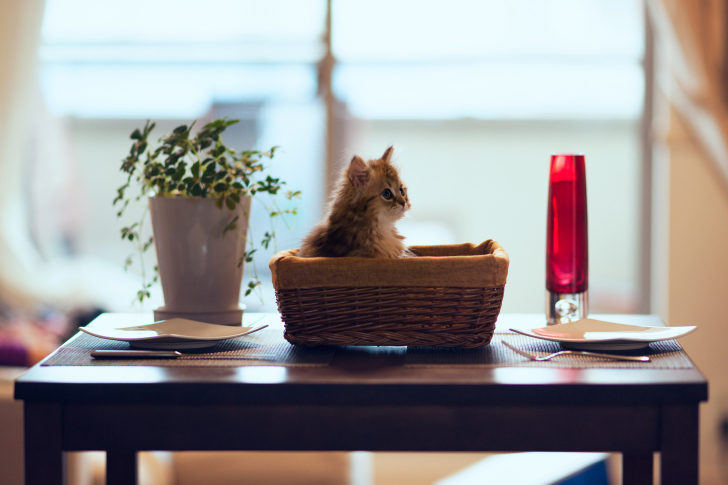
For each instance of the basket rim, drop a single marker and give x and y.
(455, 265)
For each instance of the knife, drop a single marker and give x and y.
(135, 354)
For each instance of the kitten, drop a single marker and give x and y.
(369, 200)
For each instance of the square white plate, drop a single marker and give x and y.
(590, 334)
(175, 333)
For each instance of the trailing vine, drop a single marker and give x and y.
(198, 165)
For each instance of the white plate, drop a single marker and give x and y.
(175, 333)
(589, 334)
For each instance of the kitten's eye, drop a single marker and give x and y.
(401, 191)
(387, 194)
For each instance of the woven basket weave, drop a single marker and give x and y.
(450, 296)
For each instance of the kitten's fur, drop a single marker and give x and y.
(369, 200)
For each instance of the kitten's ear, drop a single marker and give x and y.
(387, 157)
(358, 171)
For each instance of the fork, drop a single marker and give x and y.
(531, 356)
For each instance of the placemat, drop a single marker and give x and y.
(665, 355)
(273, 350)
(268, 345)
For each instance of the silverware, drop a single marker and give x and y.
(538, 358)
(135, 354)
(172, 354)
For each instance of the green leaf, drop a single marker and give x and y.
(231, 226)
(196, 170)
(213, 124)
(251, 287)
(180, 129)
(196, 190)
(266, 239)
(136, 135)
(219, 202)
(179, 172)
(219, 150)
(230, 204)
(221, 187)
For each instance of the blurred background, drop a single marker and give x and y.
(475, 95)
(474, 105)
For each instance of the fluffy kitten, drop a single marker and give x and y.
(369, 200)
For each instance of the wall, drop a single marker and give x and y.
(698, 281)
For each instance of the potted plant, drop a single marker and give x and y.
(199, 193)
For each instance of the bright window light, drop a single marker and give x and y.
(521, 59)
(174, 59)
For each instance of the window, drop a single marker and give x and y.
(105, 72)
(475, 96)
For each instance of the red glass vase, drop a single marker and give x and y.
(567, 254)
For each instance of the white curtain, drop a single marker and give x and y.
(690, 44)
(20, 23)
(27, 278)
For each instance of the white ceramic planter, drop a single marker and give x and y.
(198, 263)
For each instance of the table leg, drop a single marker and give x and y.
(637, 468)
(679, 444)
(121, 468)
(45, 462)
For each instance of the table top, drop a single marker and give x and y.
(369, 375)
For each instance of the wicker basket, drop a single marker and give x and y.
(449, 296)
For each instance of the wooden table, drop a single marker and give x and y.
(364, 400)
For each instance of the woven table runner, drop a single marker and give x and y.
(273, 350)
(268, 345)
(664, 355)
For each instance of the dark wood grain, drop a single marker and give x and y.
(366, 399)
(121, 468)
(45, 461)
(362, 381)
(377, 428)
(637, 468)
(679, 461)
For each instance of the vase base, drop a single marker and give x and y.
(566, 307)
(228, 317)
